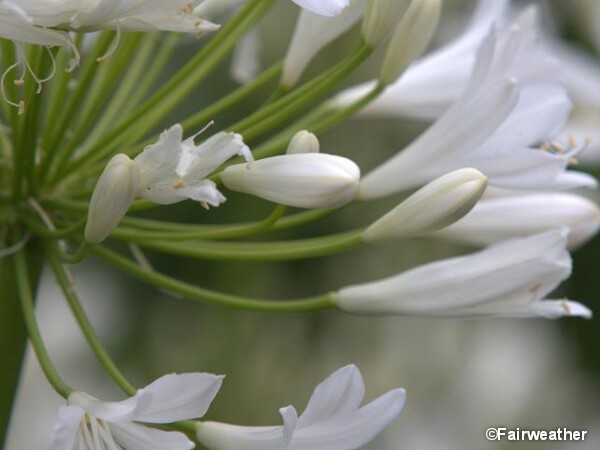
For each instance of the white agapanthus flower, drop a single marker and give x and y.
(509, 279)
(332, 420)
(508, 215)
(327, 8)
(303, 180)
(495, 126)
(166, 172)
(90, 424)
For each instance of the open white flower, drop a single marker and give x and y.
(168, 171)
(332, 420)
(504, 216)
(174, 169)
(303, 180)
(90, 424)
(493, 127)
(509, 279)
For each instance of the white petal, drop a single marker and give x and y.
(338, 397)
(222, 436)
(352, 432)
(204, 191)
(132, 436)
(553, 309)
(326, 8)
(65, 429)
(312, 33)
(245, 61)
(178, 397)
(508, 216)
(123, 411)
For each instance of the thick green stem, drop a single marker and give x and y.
(13, 334)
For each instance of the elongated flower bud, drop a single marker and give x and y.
(505, 216)
(115, 190)
(509, 279)
(309, 180)
(380, 17)
(304, 142)
(437, 205)
(410, 39)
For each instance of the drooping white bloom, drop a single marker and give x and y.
(438, 204)
(90, 424)
(494, 127)
(304, 142)
(333, 419)
(168, 171)
(509, 279)
(410, 39)
(303, 180)
(113, 194)
(505, 216)
(327, 8)
(431, 84)
(313, 33)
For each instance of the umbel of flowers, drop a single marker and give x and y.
(86, 147)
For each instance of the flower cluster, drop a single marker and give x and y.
(81, 164)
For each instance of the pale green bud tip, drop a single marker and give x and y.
(115, 190)
(437, 205)
(304, 142)
(410, 39)
(380, 17)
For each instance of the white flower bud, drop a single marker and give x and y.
(437, 205)
(381, 16)
(308, 180)
(304, 142)
(115, 190)
(410, 39)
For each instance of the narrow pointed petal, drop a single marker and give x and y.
(338, 396)
(349, 433)
(65, 430)
(222, 436)
(134, 436)
(123, 411)
(178, 397)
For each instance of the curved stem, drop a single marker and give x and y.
(66, 284)
(26, 299)
(324, 301)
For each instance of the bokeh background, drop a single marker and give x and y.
(462, 376)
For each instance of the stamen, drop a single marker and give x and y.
(113, 46)
(21, 104)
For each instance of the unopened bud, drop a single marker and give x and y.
(410, 39)
(380, 18)
(304, 142)
(437, 205)
(307, 180)
(113, 194)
